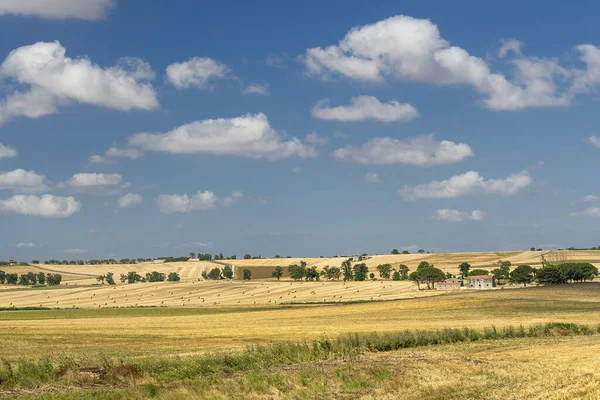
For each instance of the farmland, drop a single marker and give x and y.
(144, 328)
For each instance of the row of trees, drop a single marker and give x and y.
(30, 278)
(420, 251)
(347, 272)
(134, 277)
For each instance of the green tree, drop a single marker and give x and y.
(173, 277)
(405, 252)
(360, 272)
(247, 256)
(277, 272)
(347, 270)
(41, 278)
(12, 279)
(403, 272)
(53, 279)
(421, 251)
(134, 277)
(522, 274)
(479, 272)
(396, 276)
(297, 272)
(247, 274)
(215, 274)
(312, 274)
(464, 269)
(395, 251)
(500, 275)
(427, 274)
(109, 278)
(385, 270)
(551, 275)
(2, 276)
(155, 276)
(24, 280)
(372, 276)
(228, 272)
(100, 278)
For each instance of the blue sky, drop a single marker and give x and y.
(135, 128)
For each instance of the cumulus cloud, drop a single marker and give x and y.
(98, 159)
(448, 215)
(588, 212)
(58, 9)
(55, 79)
(406, 48)
(22, 181)
(7, 152)
(22, 245)
(75, 251)
(465, 184)
(421, 151)
(93, 179)
(508, 46)
(371, 177)
(132, 154)
(201, 201)
(314, 139)
(256, 88)
(362, 108)
(249, 136)
(199, 72)
(47, 205)
(594, 141)
(130, 199)
(591, 198)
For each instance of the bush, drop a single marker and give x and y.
(134, 277)
(396, 276)
(247, 274)
(215, 274)
(155, 276)
(41, 278)
(2, 276)
(53, 279)
(227, 272)
(173, 277)
(12, 279)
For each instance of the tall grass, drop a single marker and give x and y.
(111, 371)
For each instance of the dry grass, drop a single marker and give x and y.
(194, 331)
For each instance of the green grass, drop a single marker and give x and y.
(62, 371)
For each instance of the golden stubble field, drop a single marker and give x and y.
(196, 330)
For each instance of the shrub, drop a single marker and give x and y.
(396, 276)
(247, 274)
(227, 272)
(155, 276)
(215, 274)
(12, 279)
(173, 277)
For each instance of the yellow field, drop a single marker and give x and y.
(194, 293)
(193, 332)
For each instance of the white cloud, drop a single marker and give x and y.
(130, 199)
(591, 198)
(296, 170)
(55, 79)
(249, 136)
(467, 184)
(57, 9)
(314, 139)
(97, 159)
(508, 46)
(421, 151)
(7, 152)
(204, 244)
(362, 108)
(22, 245)
(448, 215)
(88, 180)
(201, 201)
(75, 251)
(132, 154)
(275, 60)
(594, 141)
(371, 177)
(406, 48)
(199, 72)
(256, 88)
(23, 181)
(47, 205)
(588, 212)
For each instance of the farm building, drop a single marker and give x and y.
(481, 282)
(12, 262)
(450, 284)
